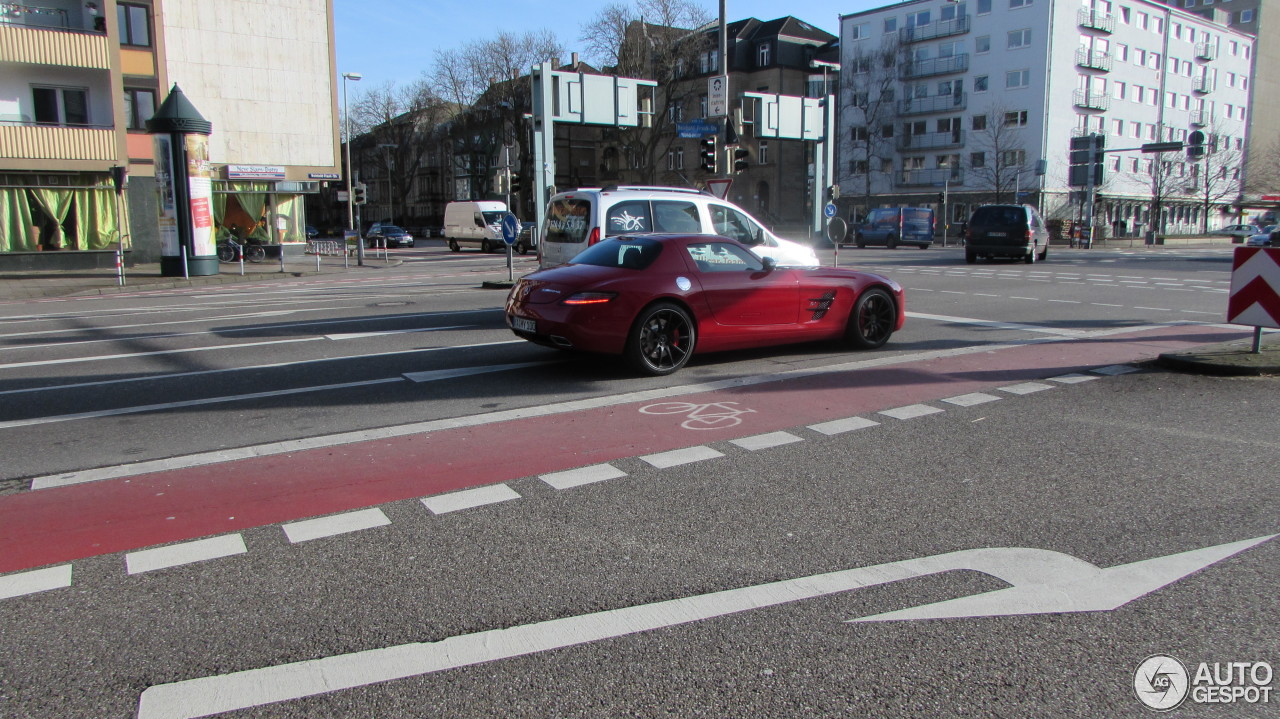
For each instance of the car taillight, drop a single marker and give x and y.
(589, 298)
(1029, 235)
(595, 236)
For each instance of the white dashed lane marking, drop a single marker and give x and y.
(766, 441)
(309, 529)
(38, 580)
(469, 498)
(971, 399)
(840, 426)
(677, 457)
(582, 475)
(1026, 388)
(201, 550)
(911, 411)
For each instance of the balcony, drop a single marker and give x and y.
(949, 65)
(1206, 51)
(934, 104)
(931, 140)
(1200, 118)
(42, 46)
(1204, 84)
(1093, 59)
(935, 30)
(1091, 100)
(929, 178)
(29, 141)
(1095, 20)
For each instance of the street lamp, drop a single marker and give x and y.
(346, 113)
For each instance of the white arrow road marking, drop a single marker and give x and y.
(1048, 582)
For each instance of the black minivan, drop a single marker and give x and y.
(1015, 231)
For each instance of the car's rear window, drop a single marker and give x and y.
(999, 216)
(567, 220)
(916, 214)
(631, 253)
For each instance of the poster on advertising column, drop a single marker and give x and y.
(167, 205)
(200, 187)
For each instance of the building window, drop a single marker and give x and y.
(135, 25)
(1014, 4)
(984, 7)
(979, 122)
(858, 167)
(139, 106)
(762, 55)
(1246, 16)
(1017, 118)
(919, 19)
(1019, 38)
(982, 44)
(762, 153)
(857, 32)
(61, 105)
(1017, 78)
(978, 160)
(980, 83)
(890, 25)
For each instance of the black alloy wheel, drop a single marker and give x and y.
(661, 340)
(871, 322)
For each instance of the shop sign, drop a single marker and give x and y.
(255, 172)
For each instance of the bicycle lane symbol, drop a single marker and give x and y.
(713, 415)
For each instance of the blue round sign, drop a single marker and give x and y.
(829, 210)
(510, 228)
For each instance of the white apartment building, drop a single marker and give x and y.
(980, 99)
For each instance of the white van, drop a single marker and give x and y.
(581, 218)
(474, 224)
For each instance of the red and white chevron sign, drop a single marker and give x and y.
(1255, 287)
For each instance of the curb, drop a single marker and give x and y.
(1231, 359)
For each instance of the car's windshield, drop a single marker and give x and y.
(630, 253)
(391, 228)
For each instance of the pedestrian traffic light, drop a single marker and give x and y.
(708, 154)
(740, 162)
(358, 194)
(1195, 145)
(942, 197)
(515, 183)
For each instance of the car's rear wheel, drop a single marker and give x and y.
(871, 322)
(970, 256)
(860, 241)
(661, 340)
(892, 242)
(1030, 257)
(1044, 254)
(485, 246)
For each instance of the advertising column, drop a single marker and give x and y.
(185, 188)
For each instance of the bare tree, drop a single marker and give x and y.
(393, 125)
(869, 93)
(1263, 176)
(1216, 177)
(1001, 164)
(659, 40)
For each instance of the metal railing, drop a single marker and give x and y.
(36, 16)
(1206, 51)
(1093, 59)
(932, 104)
(1091, 100)
(935, 30)
(931, 140)
(948, 65)
(1096, 20)
(1204, 84)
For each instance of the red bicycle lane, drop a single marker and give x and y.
(51, 526)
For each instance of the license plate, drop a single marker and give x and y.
(995, 234)
(524, 324)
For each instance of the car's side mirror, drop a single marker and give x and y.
(770, 264)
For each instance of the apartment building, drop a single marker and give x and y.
(79, 79)
(979, 101)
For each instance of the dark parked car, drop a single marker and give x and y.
(1015, 231)
(312, 232)
(384, 235)
(526, 241)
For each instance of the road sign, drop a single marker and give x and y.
(695, 130)
(720, 187)
(829, 210)
(717, 96)
(1255, 287)
(510, 228)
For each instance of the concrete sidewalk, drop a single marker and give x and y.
(80, 283)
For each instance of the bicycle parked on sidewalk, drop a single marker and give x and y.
(231, 251)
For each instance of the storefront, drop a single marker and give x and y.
(255, 204)
(60, 212)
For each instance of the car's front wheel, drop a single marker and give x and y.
(661, 340)
(871, 322)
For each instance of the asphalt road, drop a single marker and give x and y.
(727, 568)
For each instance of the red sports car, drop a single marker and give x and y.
(655, 298)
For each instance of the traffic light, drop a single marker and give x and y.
(515, 183)
(942, 197)
(1195, 145)
(833, 193)
(740, 159)
(1087, 160)
(358, 194)
(708, 154)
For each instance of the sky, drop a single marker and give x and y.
(393, 41)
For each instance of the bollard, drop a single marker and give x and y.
(281, 258)
(317, 262)
(185, 274)
(120, 268)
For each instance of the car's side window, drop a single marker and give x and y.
(627, 217)
(673, 216)
(723, 257)
(734, 225)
